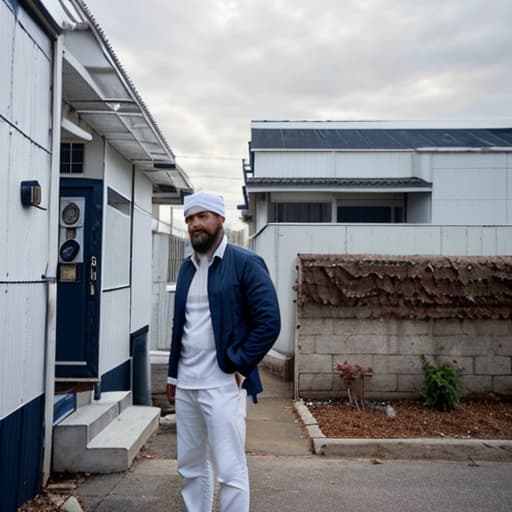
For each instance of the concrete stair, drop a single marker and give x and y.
(104, 436)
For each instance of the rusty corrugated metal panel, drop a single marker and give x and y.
(368, 286)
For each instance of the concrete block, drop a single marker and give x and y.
(502, 385)
(409, 383)
(415, 328)
(384, 365)
(466, 363)
(315, 382)
(310, 326)
(306, 344)
(462, 345)
(330, 344)
(502, 345)
(447, 327)
(381, 383)
(486, 327)
(364, 326)
(364, 360)
(314, 363)
(367, 344)
(412, 344)
(493, 365)
(476, 384)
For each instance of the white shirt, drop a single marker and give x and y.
(197, 366)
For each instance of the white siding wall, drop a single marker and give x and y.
(142, 248)
(25, 114)
(470, 189)
(115, 304)
(93, 159)
(333, 164)
(114, 329)
(279, 245)
(118, 172)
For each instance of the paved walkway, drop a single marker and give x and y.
(285, 476)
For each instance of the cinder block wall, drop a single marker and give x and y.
(393, 349)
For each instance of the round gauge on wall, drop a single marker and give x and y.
(70, 213)
(69, 250)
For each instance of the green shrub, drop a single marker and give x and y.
(442, 387)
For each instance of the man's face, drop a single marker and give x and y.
(204, 229)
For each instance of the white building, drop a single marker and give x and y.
(374, 188)
(84, 165)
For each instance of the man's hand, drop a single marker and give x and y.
(171, 393)
(239, 379)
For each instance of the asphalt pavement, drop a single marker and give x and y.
(286, 476)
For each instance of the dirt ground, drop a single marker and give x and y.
(474, 419)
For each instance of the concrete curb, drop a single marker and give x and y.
(406, 449)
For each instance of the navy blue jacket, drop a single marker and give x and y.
(244, 312)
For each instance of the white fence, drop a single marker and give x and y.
(279, 245)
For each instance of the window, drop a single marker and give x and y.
(71, 158)
(370, 214)
(300, 212)
(118, 201)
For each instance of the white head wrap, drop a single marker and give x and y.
(204, 201)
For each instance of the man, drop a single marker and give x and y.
(226, 318)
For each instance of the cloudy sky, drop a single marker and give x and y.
(206, 68)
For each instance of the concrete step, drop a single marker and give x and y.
(115, 447)
(103, 436)
(123, 399)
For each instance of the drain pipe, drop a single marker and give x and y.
(53, 242)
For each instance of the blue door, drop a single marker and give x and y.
(78, 288)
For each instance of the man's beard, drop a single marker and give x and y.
(206, 242)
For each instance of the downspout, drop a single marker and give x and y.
(53, 242)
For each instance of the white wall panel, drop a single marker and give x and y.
(392, 239)
(22, 351)
(3, 350)
(5, 141)
(143, 192)
(7, 25)
(422, 166)
(41, 99)
(118, 172)
(509, 191)
(116, 248)
(36, 33)
(475, 212)
(27, 227)
(294, 165)
(469, 160)
(93, 158)
(114, 329)
(373, 165)
(141, 273)
(23, 80)
(470, 184)
(504, 240)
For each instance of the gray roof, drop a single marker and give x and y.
(344, 182)
(386, 139)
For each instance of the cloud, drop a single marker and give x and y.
(206, 68)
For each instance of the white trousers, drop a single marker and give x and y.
(210, 427)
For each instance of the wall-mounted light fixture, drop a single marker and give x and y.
(30, 192)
